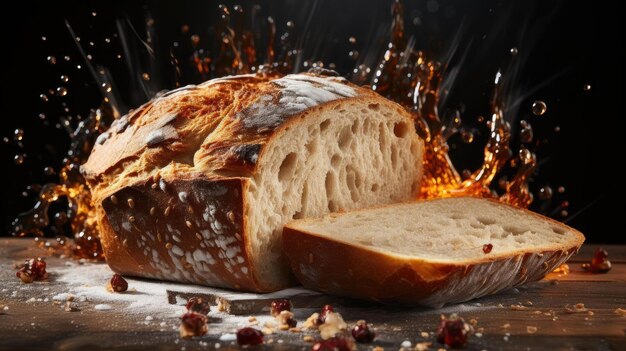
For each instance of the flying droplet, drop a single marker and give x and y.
(79, 67)
(106, 87)
(481, 119)
(145, 76)
(545, 193)
(62, 91)
(564, 213)
(561, 189)
(513, 51)
(43, 97)
(66, 58)
(64, 79)
(19, 159)
(107, 40)
(94, 14)
(49, 171)
(51, 60)
(526, 133)
(195, 39)
(539, 108)
(352, 40)
(353, 54)
(587, 87)
(42, 116)
(557, 129)
(467, 136)
(18, 134)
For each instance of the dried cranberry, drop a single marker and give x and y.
(193, 324)
(292, 323)
(487, 248)
(280, 305)
(362, 333)
(600, 262)
(322, 317)
(32, 269)
(38, 267)
(118, 283)
(337, 343)
(453, 332)
(249, 336)
(198, 305)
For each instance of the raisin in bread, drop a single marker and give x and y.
(427, 253)
(195, 185)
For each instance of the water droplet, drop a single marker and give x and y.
(184, 28)
(107, 40)
(466, 173)
(467, 136)
(352, 40)
(561, 189)
(18, 134)
(77, 39)
(145, 76)
(91, 43)
(89, 57)
(79, 67)
(557, 129)
(42, 116)
(119, 56)
(587, 87)
(291, 25)
(64, 79)
(51, 60)
(62, 91)
(44, 38)
(43, 97)
(106, 87)
(6, 140)
(19, 159)
(353, 54)
(481, 119)
(94, 14)
(545, 193)
(564, 213)
(66, 58)
(49, 171)
(539, 108)
(513, 51)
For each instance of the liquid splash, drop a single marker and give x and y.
(403, 74)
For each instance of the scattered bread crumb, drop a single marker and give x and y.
(423, 346)
(283, 327)
(531, 329)
(506, 326)
(378, 348)
(267, 331)
(578, 308)
(309, 323)
(519, 307)
(424, 335)
(620, 311)
(333, 325)
(252, 319)
(308, 338)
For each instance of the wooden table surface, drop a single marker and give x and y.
(33, 320)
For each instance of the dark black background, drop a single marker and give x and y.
(562, 47)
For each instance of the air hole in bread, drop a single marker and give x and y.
(486, 220)
(400, 129)
(375, 187)
(513, 230)
(355, 126)
(287, 167)
(331, 185)
(475, 225)
(344, 138)
(332, 206)
(324, 125)
(351, 180)
(394, 156)
(335, 161)
(312, 145)
(374, 107)
(558, 230)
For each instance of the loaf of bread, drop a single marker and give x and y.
(196, 185)
(427, 253)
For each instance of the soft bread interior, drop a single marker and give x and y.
(348, 156)
(446, 230)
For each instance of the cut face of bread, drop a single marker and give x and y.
(196, 185)
(345, 156)
(427, 253)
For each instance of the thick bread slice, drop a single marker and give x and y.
(427, 253)
(196, 185)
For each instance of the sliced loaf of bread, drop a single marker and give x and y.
(427, 253)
